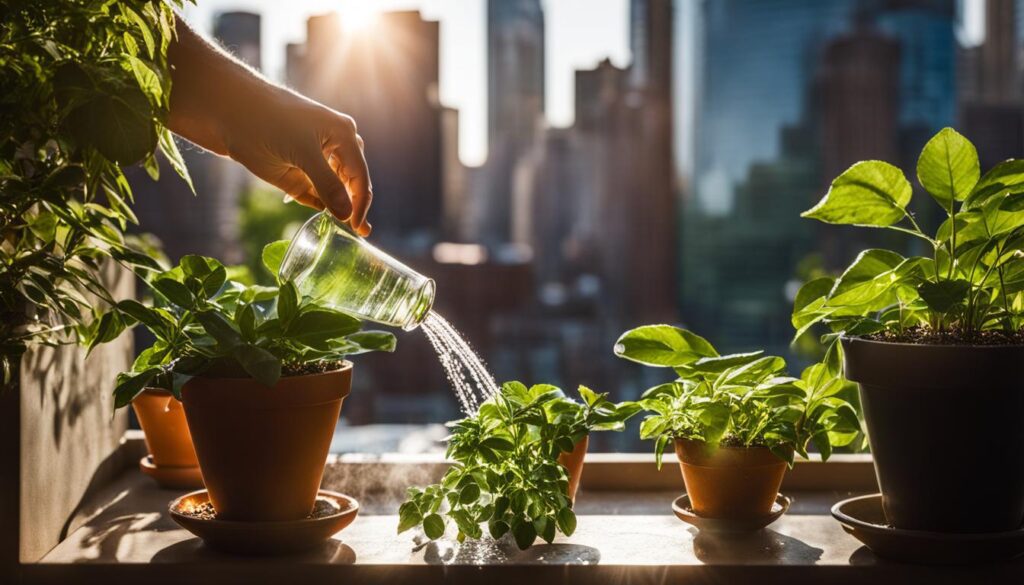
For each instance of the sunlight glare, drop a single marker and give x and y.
(358, 15)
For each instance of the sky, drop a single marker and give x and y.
(579, 34)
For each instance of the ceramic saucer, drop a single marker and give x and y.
(684, 511)
(864, 518)
(265, 538)
(173, 478)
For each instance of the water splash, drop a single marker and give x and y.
(466, 372)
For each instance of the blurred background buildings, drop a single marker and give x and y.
(674, 196)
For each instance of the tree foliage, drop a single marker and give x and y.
(86, 92)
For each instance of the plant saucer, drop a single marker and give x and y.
(172, 478)
(265, 538)
(864, 518)
(684, 511)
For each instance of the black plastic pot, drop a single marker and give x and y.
(946, 426)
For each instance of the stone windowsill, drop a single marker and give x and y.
(123, 535)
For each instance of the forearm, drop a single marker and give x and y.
(209, 89)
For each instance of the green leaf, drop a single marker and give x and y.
(870, 193)
(524, 534)
(318, 326)
(371, 341)
(115, 120)
(174, 291)
(273, 255)
(948, 167)
(566, 521)
(143, 314)
(589, 396)
(469, 494)
(497, 528)
(170, 149)
(722, 363)
(943, 295)
(218, 327)
(130, 385)
(663, 345)
(287, 303)
(409, 516)
(1007, 175)
(871, 275)
(433, 526)
(259, 363)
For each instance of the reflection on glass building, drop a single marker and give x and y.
(788, 94)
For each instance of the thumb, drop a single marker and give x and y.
(328, 186)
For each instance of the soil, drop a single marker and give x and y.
(311, 368)
(926, 336)
(229, 368)
(322, 508)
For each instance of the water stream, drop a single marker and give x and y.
(466, 372)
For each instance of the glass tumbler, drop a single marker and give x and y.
(328, 262)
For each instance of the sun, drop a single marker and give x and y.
(358, 15)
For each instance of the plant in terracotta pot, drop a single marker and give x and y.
(516, 465)
(262, 376)
(736, 421)
(934, 341)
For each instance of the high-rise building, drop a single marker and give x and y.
(857, 86)
(515, 107)
(239, 34)
(386, 77)
(990, 108)
(857, 97)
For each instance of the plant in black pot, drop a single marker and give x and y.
(261, 373)
(934, 341)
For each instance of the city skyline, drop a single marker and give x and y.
(580, 34)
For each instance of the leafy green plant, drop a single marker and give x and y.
(743, 399)
(505, 470)
(972, 282)
(86, 92)
(206, 324)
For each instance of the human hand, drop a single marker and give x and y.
(309, 151)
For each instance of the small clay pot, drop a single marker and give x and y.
(163, 422)
(572, 461)
(730, 482)
(263, 450)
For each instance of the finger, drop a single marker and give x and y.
(359, 189)
(329, 189)
(347, 147)
(309, 199)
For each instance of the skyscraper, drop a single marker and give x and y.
(990, 107)
(515, 107)
(385, 76)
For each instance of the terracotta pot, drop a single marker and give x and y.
(263, 450)
(572, 461)
(941, 420)
(730, 482)
(163, 422)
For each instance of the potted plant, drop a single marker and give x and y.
(736, 420)
(262, 375)
(934, 341)
(516, 465)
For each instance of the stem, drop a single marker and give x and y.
(952, 242)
